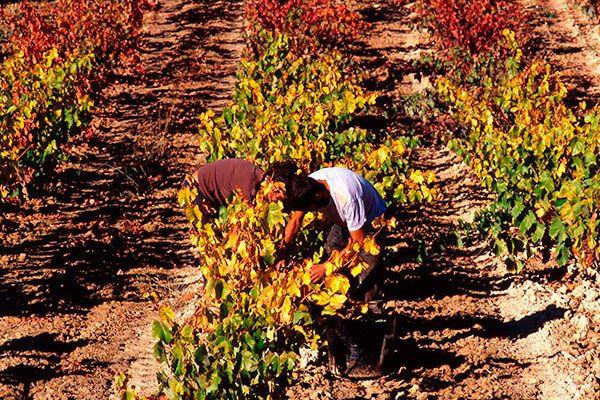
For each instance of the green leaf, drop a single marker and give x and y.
(159, 352)
(274, 215)
(120, 380)
(540, 229)
(177, 359)
(517, 210)
(249, 340)
(563, 254)
(547, 182)
(130, 394)
(49, 150)
(249, 362)
(161, 332)
(577, 146)
(578, 230)
(224, 310)
(527, 222)
(254, 293)
(500, 247)
(227, 114)
(557, 229)
(223, 213)
(301, 316)
(201, 354)
(215, 381)
(229, 372)
(187, 334)
(558, 203)
(268, 251)
(459, 240)
(69, 119)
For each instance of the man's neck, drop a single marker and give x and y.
(324, 183)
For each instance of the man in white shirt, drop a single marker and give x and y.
(351, 203)
(346, 199)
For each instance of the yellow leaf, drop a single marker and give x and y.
(417, 177)
(306, 278)
(370, 246)
(355, 271)
(328, 310)
(334, 283)
(321, 298)
(231, 240)
(398, 147)
(242, 250)
(286, 307)
(561, 169)
(337, 300)
(540, 212)
(294, 290)
(426, 193)
(328, 268)
(166, 315)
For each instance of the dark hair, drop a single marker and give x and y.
(304, 193)
(281, 171)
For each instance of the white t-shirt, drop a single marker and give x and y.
(355, 202)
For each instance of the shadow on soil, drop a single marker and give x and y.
(108, 223)
(426, 338)
(412, 357)
(419, 344)
(105, 223)
(41, 361)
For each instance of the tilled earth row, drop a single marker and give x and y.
(465, 327)
(84, 260)
(82, 263)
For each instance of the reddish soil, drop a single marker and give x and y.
(466, 328)
(82, 261)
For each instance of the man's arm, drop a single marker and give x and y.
(293, 227)
(357, 236)
(318, 270)
(291, 230)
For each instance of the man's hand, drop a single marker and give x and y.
(280, 265)
(317, 272)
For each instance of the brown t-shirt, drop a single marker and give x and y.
(217, 180)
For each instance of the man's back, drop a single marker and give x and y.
(217, 180)
(355, 201)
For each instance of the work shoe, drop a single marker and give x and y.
(346, 359)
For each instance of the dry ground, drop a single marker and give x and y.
(81, 261)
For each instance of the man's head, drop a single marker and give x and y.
(281, 171)
(303, 193)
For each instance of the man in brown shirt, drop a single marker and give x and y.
(217, 180)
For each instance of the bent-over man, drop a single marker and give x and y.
(347, 199)
(217, 180)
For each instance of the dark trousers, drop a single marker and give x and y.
(365, 286)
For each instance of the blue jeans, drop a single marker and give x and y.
(366, 284)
